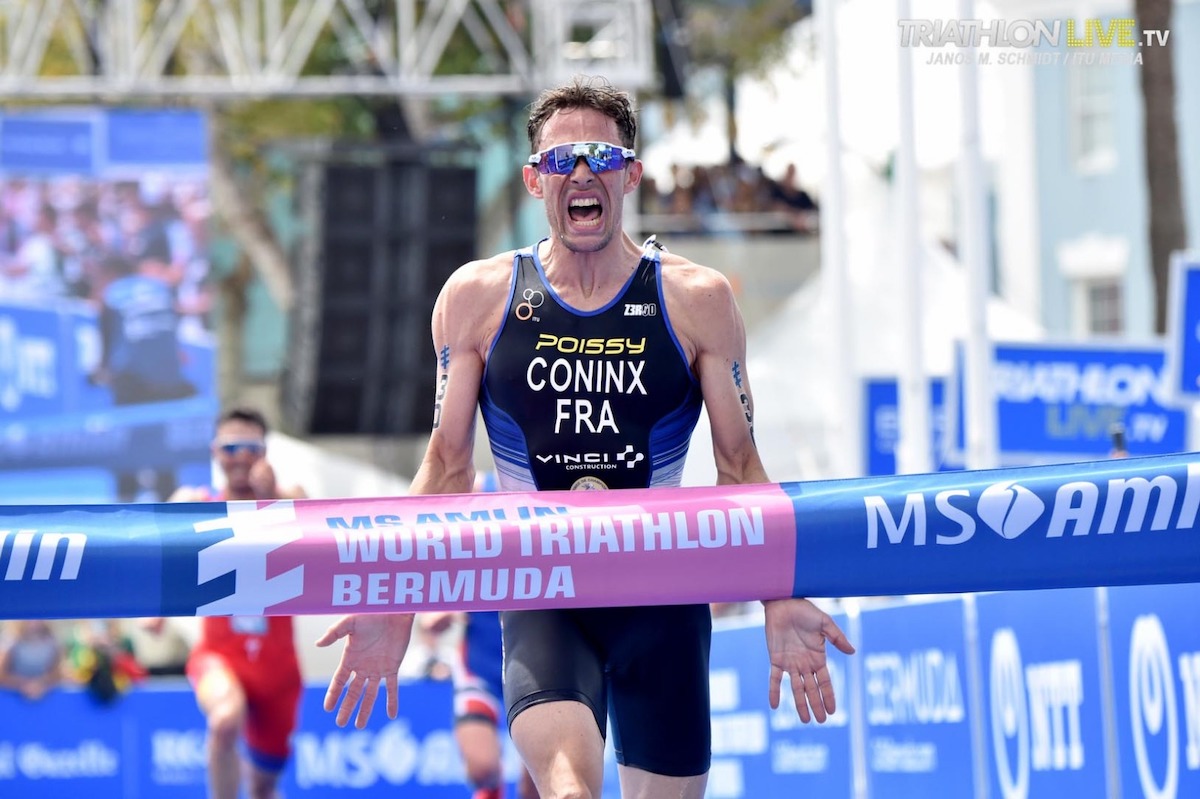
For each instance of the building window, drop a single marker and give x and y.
(1094, 266)
(1104, 307)
(1093, 139)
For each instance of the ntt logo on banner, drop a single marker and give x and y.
(1010, 510)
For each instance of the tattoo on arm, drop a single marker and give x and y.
(443, 378)
(745, 399)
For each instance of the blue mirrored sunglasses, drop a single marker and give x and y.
(232, 448)
(601, 157)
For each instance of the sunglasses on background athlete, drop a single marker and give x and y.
(232, 448)
(601, 157)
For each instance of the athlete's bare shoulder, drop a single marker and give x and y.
(700, 301)
(473, 301)
(679, 270)
(689, 283)
(485, 274)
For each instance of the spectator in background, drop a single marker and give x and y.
(188, 236)
(140, 360)
(680, 201)
(86, 242)
(245, 669)
(31, 658)
(162, 645)
(100, 658)
(789, 197)
(34, 271)
(651, 199)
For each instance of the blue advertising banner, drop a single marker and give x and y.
(1044, 716)
(916, 693)
(1155, 645)
(760, 752)
(413, 755)
(101, 141)
(155, 139)
(107, 357)
(1183, 327)
(41, 142)
(1060, 402)
(150, 743)
(999, 529)
(881, 406)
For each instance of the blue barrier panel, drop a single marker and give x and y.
(882, 424)
(916, 694)
(1156, 684)
(1183, 328)
(760, 752)
(63, 747)
(150, 744)
(1059, 401)
(413, 755)
(1044, 719)
(163, 732)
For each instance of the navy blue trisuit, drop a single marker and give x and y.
(589, 400)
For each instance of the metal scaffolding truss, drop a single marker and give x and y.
(114, 49)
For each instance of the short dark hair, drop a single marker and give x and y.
(243, 413)
(585, 92)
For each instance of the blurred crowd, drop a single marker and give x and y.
(105, 657)
(736, 197)
(73, 236)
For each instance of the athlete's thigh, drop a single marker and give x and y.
(215, 682)
(549, 657)
(658, 690)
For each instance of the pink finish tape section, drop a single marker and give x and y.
(506, 551)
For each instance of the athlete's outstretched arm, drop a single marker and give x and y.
(796, 629)
(376, 643)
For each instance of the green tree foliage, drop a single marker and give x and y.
(746, 37)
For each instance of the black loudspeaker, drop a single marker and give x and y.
(384, 229)
(671, 50)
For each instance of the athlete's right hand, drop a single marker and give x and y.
(375, 647)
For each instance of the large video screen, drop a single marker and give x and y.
(107, 353)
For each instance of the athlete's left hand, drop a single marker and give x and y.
(796, 634)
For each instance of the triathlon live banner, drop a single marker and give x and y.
(1113, 522)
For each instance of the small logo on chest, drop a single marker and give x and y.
(641, 309)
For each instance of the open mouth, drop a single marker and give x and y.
(585, 210)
